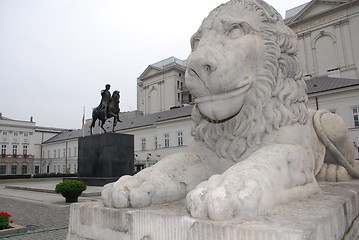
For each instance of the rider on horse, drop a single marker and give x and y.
(108, 108)
(105, 101)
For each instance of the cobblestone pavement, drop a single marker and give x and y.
(43, 221)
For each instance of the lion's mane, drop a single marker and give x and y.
(278, 97)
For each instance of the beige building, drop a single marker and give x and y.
(328, 37)
(21, 147)
(161, 86)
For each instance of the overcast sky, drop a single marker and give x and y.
(57, 55)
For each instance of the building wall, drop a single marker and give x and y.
(17, 146)
(28, 139)
(329, 41)
(60, 157)
(159, 89)
(153, 150)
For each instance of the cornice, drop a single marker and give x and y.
(165, 69)
(322, 14)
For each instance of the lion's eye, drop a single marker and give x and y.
(238, 29)
(194, 42)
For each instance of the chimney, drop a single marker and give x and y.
(0, 115)
(31, 119)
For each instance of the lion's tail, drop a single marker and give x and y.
(338, 156)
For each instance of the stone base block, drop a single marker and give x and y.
(331, 214)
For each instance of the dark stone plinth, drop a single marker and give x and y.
(103, 158)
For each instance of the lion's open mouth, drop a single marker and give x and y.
(228, 95)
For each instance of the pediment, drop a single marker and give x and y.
(150, 70)
(316, 7)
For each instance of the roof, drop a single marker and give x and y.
(294, 11)
(169, 61)
(136, 122)
(307, 11)
(321, 84)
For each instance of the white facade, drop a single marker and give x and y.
(154, 142)
(160, 86)
(20, 143)
(328, 37)
(60, 156)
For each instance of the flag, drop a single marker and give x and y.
(83, 123)
(83, 117)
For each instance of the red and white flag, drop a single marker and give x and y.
(83, 117)
(83, 123)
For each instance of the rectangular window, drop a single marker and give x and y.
(2, 169)
(179, 138)
(54, 153)
(58, 153)
(13, 169)
(167, 140)
(178, 97)
(143, 143)
(4, 133)
(64, 153)
(155, 142)
(356, 116)
(69, 152)
(3, 149)
(16, 134)
(75, 151)
(14, 149)
(26, 134)
(48, 153)
(24, 169)
(24, 149)
(37, 169)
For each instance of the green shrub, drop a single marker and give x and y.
(70, 186)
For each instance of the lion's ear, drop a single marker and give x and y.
(272, 14)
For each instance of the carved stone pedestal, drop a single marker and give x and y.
(331, 214)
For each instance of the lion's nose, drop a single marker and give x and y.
(202, 63)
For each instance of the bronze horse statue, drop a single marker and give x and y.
(113, 111)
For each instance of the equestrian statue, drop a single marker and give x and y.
(108, 108)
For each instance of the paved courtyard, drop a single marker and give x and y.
(45, 215)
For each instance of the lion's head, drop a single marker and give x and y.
(245, 75)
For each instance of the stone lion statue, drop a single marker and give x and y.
(255, 144)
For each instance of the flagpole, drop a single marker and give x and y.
(83, 122)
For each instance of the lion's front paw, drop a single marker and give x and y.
(128, 191)
(225, 197)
